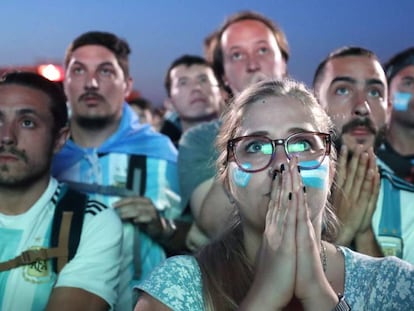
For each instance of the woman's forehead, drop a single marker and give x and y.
(278, 112)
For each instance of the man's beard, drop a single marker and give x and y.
(32, 174)
(348, 127)
(95, 123)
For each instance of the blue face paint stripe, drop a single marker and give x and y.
(313, 182)
(242, 178)
(313, 163)
(401, 100)
(316, 178)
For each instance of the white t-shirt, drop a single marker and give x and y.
(95, 267)
(388, 209)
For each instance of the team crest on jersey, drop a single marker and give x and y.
(120, 175)
(39, 271)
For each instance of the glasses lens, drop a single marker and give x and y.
(309, 148)
(253, 153)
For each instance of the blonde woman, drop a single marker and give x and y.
(277, 164)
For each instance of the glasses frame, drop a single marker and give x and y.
(231, 144)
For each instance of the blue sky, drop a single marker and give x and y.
(159, 31)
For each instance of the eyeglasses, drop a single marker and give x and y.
(255, 153)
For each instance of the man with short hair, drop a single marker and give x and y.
(193, 90)
(397, 151)
(195, 95)
(249, 48)
(351, 85)
(119, 160)
(33, 127)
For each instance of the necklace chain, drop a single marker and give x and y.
(323, 256)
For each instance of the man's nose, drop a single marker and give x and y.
(195, 85)
(91, 82)
(7, 134)
(252, 63)
(361, 106)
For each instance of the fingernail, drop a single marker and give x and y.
(282, 168)
(290, 196)
(304, 189)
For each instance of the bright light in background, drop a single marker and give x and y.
(51, 72)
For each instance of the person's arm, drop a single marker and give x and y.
(211, 207)
(70, 298)
(148, 303)
(196, 238)
(159, 214)
(366, 243)
(93, 273)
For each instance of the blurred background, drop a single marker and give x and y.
(158, 31)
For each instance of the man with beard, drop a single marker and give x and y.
(33, 127)
(249, 48)
(117, 159)
(376, 209)
(398, 150)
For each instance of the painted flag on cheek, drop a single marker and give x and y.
(318, 177)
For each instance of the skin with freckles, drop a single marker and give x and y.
(258, 119)
(281, 218)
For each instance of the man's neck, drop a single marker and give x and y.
(401, 139)
(187, 123)
(18, 200)
(92, 137)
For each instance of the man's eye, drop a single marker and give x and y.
(342, 91)
(374, 93)
(182, 82)
(28, 123)
(203, 80)
(408, 83)
(237, 56)
(106, 71)
(263, 50)
(78, 70)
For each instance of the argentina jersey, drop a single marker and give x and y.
(27, 287)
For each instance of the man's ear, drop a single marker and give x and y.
(129, 83)
(60, 139)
